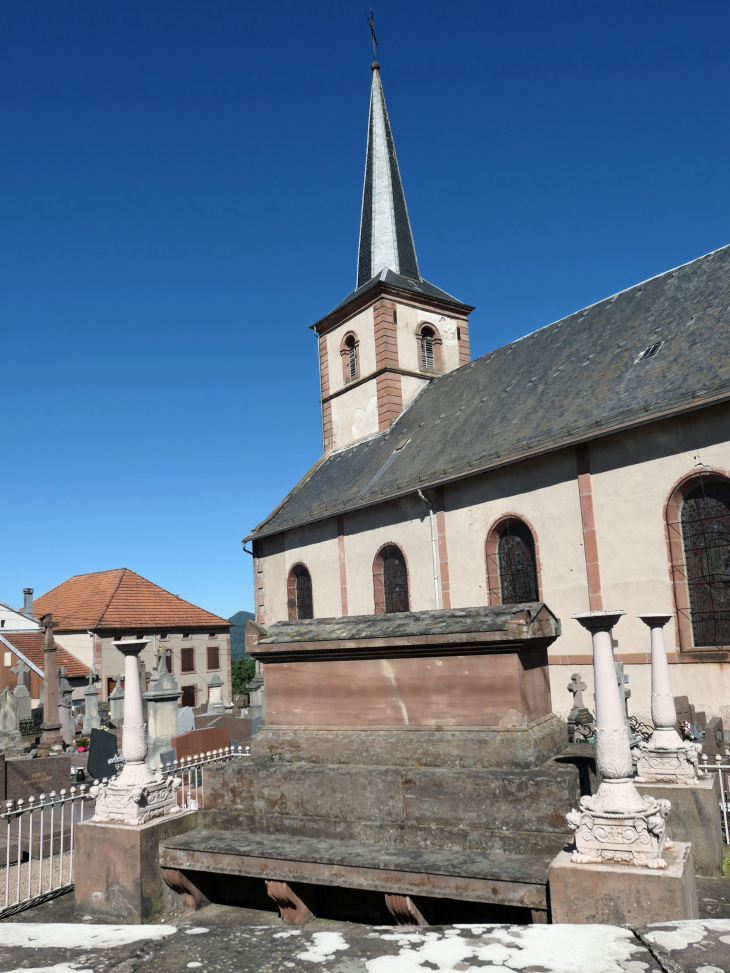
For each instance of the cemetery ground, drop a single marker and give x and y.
(50, 938)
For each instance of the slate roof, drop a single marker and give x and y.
(120, 598)
(389, 277)
(572, 380)
(386, 239)
(30, 645)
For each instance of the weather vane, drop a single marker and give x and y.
(371, 23)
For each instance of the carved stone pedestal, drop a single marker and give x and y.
(666, 758)
(617, 824)
(695, 818)
(621, 894)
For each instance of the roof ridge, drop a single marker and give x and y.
(122, 571)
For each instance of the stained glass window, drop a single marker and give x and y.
(706, 536)
(517, 564)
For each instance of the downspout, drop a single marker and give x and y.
(433, 549)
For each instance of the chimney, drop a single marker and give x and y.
(28, 602)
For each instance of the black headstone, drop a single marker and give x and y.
(102, 747)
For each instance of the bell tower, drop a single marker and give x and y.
(395, 332)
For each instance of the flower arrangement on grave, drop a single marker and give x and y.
(82, 743)
(685, 728)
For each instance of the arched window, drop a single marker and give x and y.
(513, 563)
(705, 518)
(351, 356)
(427, 360)
(390, 581)
(299, 593)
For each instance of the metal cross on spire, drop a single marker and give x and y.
(371, 24)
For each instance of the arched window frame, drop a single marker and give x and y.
(378, 580)
(291, 590)
(437, 342)
(494, 587)
(675, 552)
(350, 340)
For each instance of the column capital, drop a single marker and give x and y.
(656, 619)
(599, 621)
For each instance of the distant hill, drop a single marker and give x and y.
(238, 640)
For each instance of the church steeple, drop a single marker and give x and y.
(386, 240)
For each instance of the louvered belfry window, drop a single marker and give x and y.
(352, 352)
(706, 537)
(517, 564)
(427, 349)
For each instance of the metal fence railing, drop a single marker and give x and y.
(721, 767)
(39, 832)
(191, 770)
(39, 846)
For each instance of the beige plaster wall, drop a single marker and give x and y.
(410, 387)
(633, 474)
(408, 348)
(535, 490)
(362, 325)
(79, 644)
(355, 414)
(316, 547)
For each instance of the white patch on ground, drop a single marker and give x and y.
(709, 969)
(69, 935)
(555, 949)
(57, 968)
(680, 935)
(323, 945)
(196, 931)
(287, 934)
(194, 965)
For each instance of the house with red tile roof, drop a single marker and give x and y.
(28, 647)
(91, 611)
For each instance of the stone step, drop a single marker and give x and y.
(516, 880)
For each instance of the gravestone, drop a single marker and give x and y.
(21, 692)
(200, 742)
(580, 719)
(162, 711)
(185, 719)
(9, 723)
(714, 742)
(102, 748)
(239, 729)
(65, 716)
(41, 775)
(91, 705)
(116, 701)
(215, 696)
(623, 684)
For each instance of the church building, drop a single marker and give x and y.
(586, 465)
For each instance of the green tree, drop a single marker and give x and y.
(242, 672)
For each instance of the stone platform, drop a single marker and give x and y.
(695, 817)
(397, 738)
(624, 894)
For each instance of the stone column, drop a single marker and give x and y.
(615, 824)
(665, 757)
(51, 726)
(136, 796)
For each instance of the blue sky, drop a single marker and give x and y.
(180, 191)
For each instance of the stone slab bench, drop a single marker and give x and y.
(284, 861)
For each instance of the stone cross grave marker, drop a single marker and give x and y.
(92, 721)
(116, 701)
(65, 706)
(21, 692)
(9, 723)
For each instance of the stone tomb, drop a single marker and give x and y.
(409, 755)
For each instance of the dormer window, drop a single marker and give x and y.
(427, 349)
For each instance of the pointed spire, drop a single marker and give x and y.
(386, 240)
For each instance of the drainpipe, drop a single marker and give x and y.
(433, 549)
